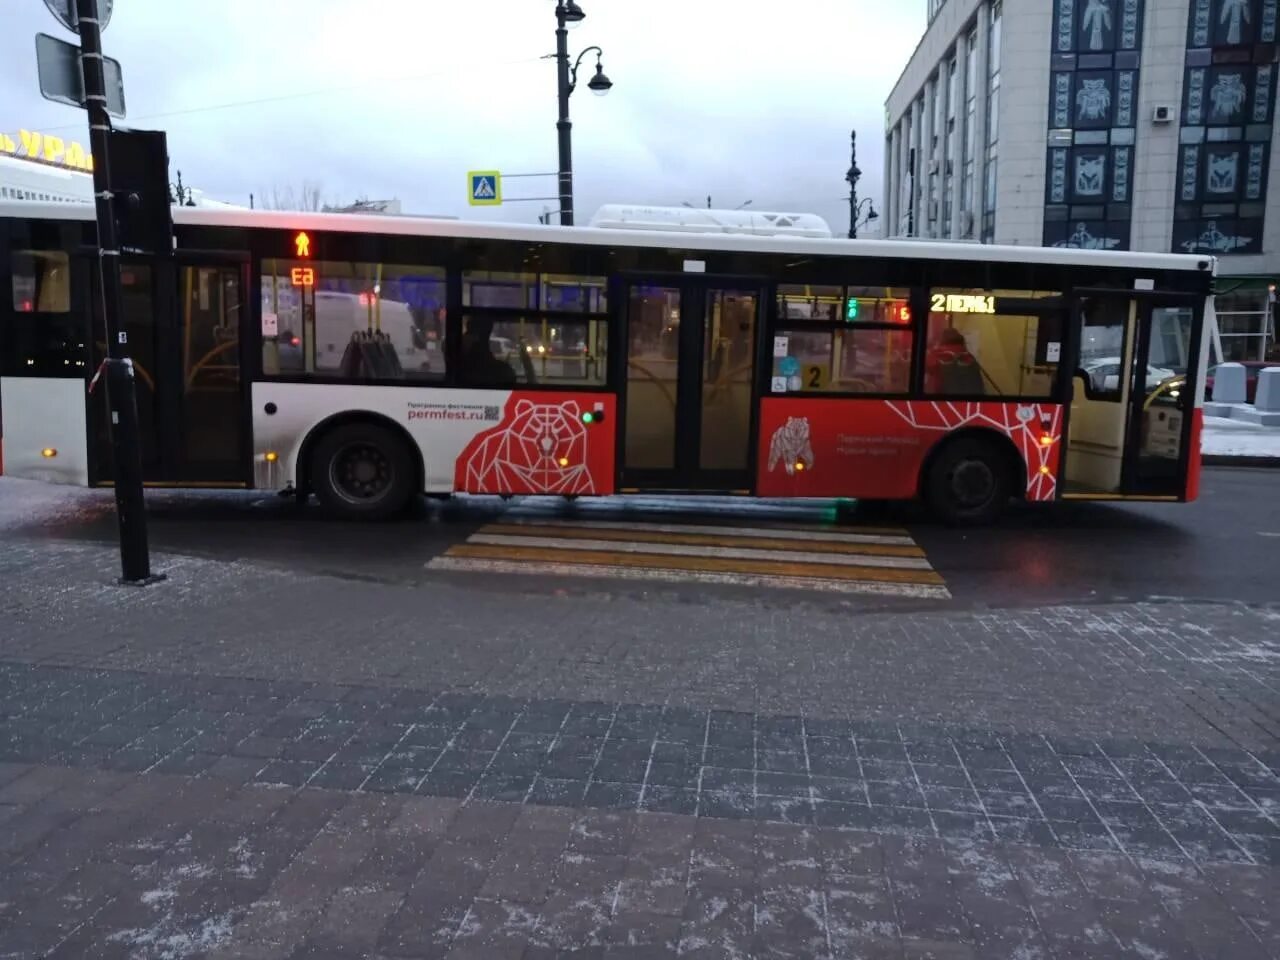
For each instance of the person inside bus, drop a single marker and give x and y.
(949, 367)
(477, 363)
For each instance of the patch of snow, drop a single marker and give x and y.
(168, 940)
(1233, 438)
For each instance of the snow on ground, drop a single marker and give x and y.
(1233, 438)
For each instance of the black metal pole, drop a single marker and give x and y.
(853, 176)
(563, 126)
(131, 508)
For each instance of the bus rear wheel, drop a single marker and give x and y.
(968, 482)
(362, 471)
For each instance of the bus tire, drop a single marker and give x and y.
(967, 482)
(362, 471)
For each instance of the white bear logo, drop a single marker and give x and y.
(790, 446)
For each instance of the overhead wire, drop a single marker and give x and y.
(285, 97)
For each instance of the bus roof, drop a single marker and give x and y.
(538, 233)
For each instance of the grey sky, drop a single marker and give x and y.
(742, 101)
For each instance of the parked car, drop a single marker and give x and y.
(1104, 374)
(1251, 370)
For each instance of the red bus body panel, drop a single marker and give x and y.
(875, 449)
(541, 444)
(1195, 461)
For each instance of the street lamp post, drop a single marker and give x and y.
(853, 176)
(568, 12)
(859, 219)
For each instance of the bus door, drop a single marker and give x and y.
(144, 345)
(183, 321)
(1129, 428)
(211, 445)
(689, 385)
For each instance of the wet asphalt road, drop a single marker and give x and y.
(1225, 547)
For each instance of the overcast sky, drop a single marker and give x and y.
(400, 98)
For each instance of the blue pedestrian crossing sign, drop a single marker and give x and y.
(484, 188)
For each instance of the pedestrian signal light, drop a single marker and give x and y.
(851, 310)
(302, 243)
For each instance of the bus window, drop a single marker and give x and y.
(802, 301)
(872, 361)
(492, 288)
(850, 340)
(41, 281)
(534, 349)
(531, 328)
(366, 321)
(977, 349)
(574, 294)
(42, 337)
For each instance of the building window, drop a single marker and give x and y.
(1092, 114)
(938, 87)
(967, 200)
(1227, 117)
(993, 75)
(366, 321)
(949, 159)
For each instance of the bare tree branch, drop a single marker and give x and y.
(309, 197)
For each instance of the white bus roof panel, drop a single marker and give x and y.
(595, 236)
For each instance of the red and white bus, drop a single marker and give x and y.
(368, 360)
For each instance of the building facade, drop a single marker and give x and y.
(1105, 124)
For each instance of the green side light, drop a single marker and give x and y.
(588, 417)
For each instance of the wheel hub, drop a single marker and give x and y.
(362, 472)
(972, 483)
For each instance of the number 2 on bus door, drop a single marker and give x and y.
(815, 376)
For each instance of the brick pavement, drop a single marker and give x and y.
(161, 816)
(1142, 799)
(162, 865)
(1202, 673)
(253, 763)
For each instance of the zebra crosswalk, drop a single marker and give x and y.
(788, 555)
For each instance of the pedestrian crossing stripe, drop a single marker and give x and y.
(762, 555)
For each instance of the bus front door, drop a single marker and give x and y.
(689, 384)
(1128, 432)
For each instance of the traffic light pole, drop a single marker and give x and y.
(131, 509)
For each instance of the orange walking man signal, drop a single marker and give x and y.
(303, 243)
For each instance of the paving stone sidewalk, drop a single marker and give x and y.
(110, 864)
(167, 817)
(1153, 799)
(252, 763)
(1203, 673)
